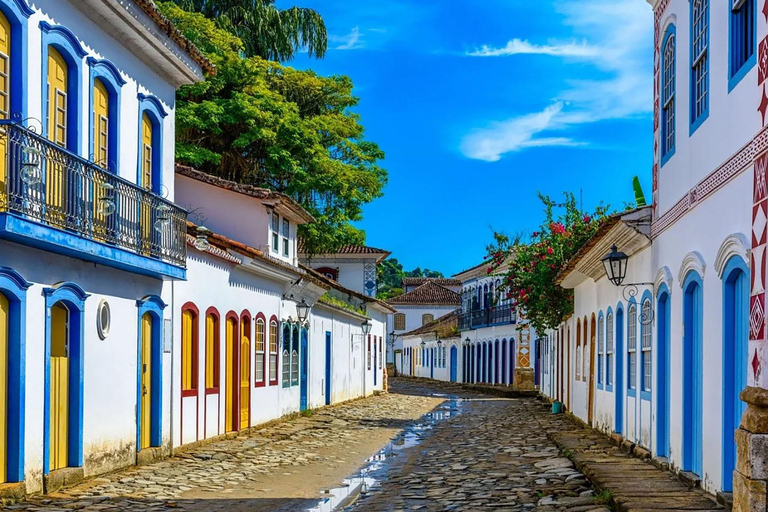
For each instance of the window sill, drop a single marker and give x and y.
(188, 392)
(698, 122)
(259, 384)
(666, 157)
(212, 391)
(645, 395)
(631, 392)
(609, 388)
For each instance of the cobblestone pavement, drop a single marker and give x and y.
(493, 455)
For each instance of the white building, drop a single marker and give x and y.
(353, 266)
(89, 238)
(433, 350)
(418, 306)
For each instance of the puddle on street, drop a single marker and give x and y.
(376, 466)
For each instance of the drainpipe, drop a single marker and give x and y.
(173, 353)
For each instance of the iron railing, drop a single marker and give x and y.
(477, 318)
(44, 182)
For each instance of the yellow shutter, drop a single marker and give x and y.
(100, 124)
(57, 132)
(5, 100)
(210, 326)
(230, 395)
(59, 392)
(186, 350)
(245, 378)
(146, 152)
(146, 381)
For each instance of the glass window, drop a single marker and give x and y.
(700, 59)
(273, 352)
(632, 346)
(743, 38)
(600, 349)
(400, 321)
(427, 318)
(668, 95)
(275, 232)
(286, 234)
(295, 356)
(260, 351)
(646, 349)
(286, 355)
(609, 349)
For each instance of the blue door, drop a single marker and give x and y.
(328, 368)
(662, 374)
(735, 339)
(511, 361)
(496, 365)
(454, 363)
(374, 361)
(692, 373)
(504, 362)
(303, 370)
(619, 387)
(431, 363)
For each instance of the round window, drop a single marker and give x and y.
(103, 319)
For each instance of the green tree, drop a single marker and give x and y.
(269, 125)
(266, 31)
(389, 279)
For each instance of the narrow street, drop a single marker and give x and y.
(423, 446)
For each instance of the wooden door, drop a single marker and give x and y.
(55, 172)
(59, 392)
(146, 379)
(245, 381)
(4, 332)
(229, 425)
(591, 338)
(147, 162)
(5, 103)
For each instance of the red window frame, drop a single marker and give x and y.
(274, 322)
(214, 390)
(194, 344)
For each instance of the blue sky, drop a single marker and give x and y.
(479, 105)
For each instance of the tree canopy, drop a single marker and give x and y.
(265, 124)
(390, 276)
(266, 31)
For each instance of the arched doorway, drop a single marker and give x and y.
(619, 395)
(692, 373)
(150, 357)
(244, 366)
(232, 378)
(662, 371)
(454, 363)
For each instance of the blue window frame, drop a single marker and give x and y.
(699, 63)
(154, 109)
(646, 355)
(17, 13)
(668, 61)
(110, 77)
(600, 350)
(742, 40)
(609, 334)
(631, 348)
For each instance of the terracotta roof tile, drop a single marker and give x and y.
(248, 190)
(164, 24)
(428, 293)
(215, 251)
(351, 249)
(442, 281)
(445, 325)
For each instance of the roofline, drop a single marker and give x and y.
(335, 284)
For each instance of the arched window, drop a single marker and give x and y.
(632, 346)
(399, 321)
(646, 347)
(609, 350)
(260, 348)
(427, 318)
(295, 356)
(600, 350)
(286, 355)
(585, 350)
(273, 352)
(668, 95)
(189, 349)
(699, 62)
(106, 83)
(578, 349)
(212, 350)
(150, 143)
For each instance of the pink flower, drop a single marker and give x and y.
(550, 250)
(587, 219)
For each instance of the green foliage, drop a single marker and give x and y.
(604, 497)
(534, 266)
(639, 196)
(273, 126)
(335, 301)
(266, 31)
(390, 274)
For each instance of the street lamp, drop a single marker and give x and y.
(439, 342)
(201, 242)
(366, 326)
(423, 343)
(468, 341)
(302, 311)
(615, 264)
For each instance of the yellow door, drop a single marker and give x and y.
(100, 153)
(146, 381)
(230, 392)
(147, 155)
(4, 324)
(245, 380)
(55, 190)
(59, 392)
(5, 100)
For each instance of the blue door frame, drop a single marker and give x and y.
(375, 353)
(454, 363)
(303, 385)
(619, 384)
(735, 340)
(692, 373)
(432, 363)
(662, 372)
(511, 361)
(328, 355)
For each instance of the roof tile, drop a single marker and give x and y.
(428, 293)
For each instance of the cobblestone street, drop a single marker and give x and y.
(430, 447)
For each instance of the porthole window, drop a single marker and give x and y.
(103, 319)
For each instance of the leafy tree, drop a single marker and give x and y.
(418, 272)
(266, 31)
(390, 274)
(273, 126)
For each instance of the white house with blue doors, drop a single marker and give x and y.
(90, 240)
(434, 350)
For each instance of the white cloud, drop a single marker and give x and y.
(351, 41)
(524, 47)
(618, 38)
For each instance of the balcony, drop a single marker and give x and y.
(57, 201)
(478, 318)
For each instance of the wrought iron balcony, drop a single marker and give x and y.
(44, 183)
(477, 318)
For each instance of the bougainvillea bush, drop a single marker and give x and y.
(533, 265)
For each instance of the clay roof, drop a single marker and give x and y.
(215, 251)
(445, 325)
(442, 281)
(164, 24)
(428, 293)
(335, 284)
(352, 249)
(248, 190)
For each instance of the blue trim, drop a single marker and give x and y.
(73, 296)
(303, 370)
(600, 345)
(154, 109)
(328, 360)
(735, 358)
(662, 370)
(734, 79)
(153, 305)
(645, 394)
(618, 343)
(17, 13)
(65, 42)
(632, 386)
(692, 372)
(695, 123)
(105, 71)
(667, 153)
(286, 359)
(609, 387)
(23, 231)
(14, 287)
